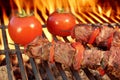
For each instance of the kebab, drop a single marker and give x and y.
(76, 55)
(100, 36)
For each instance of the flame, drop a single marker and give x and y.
(5, 17)
(100, 9)
(19, 5)
(12, 7)
(83, 10)
(108, 13)
(37, 15)
(43, 8)
(118, 10)
(1, 41)
(2, 57)
(28, 8)
(5, 22)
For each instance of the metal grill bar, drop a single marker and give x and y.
(75, 74)
(89, 74)
(9, 69)
(20, 62)
(64, 77)
(42, 71)
(49, 73)
(12, 51)
(112, 77)
(34, 68)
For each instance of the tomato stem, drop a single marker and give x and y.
(24, 14)
(61, 10)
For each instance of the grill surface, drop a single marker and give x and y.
(39, 70)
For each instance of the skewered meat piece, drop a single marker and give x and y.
(114, 62)
(101, 36)
(104, 35)
(40, 48)
(93, 57)
(116, 39)
(65, 54)
(82, 33)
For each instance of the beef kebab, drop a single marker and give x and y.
(76, 55)
(100, 36)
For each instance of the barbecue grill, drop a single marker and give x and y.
(44, 71)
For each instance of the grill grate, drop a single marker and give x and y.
(9, 69)
(20, 62)
(38, 70)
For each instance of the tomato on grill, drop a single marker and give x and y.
(25, 29)
(61, 23)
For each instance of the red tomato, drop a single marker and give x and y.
(61, 24)
(23, 30)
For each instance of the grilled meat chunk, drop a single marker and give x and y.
(92, 57)
(114, 62)
(104, 35)
(39, 49)
(83, 34)
(64, 53)
(116, 39)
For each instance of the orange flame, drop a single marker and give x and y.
(19, 4)
(85, 11)
(43, 8)
(5, 17)
(0, 21)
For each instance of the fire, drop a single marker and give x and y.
(19, 5)
(43, 8)
(85, 11)
(5, 17)
(108, 13)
